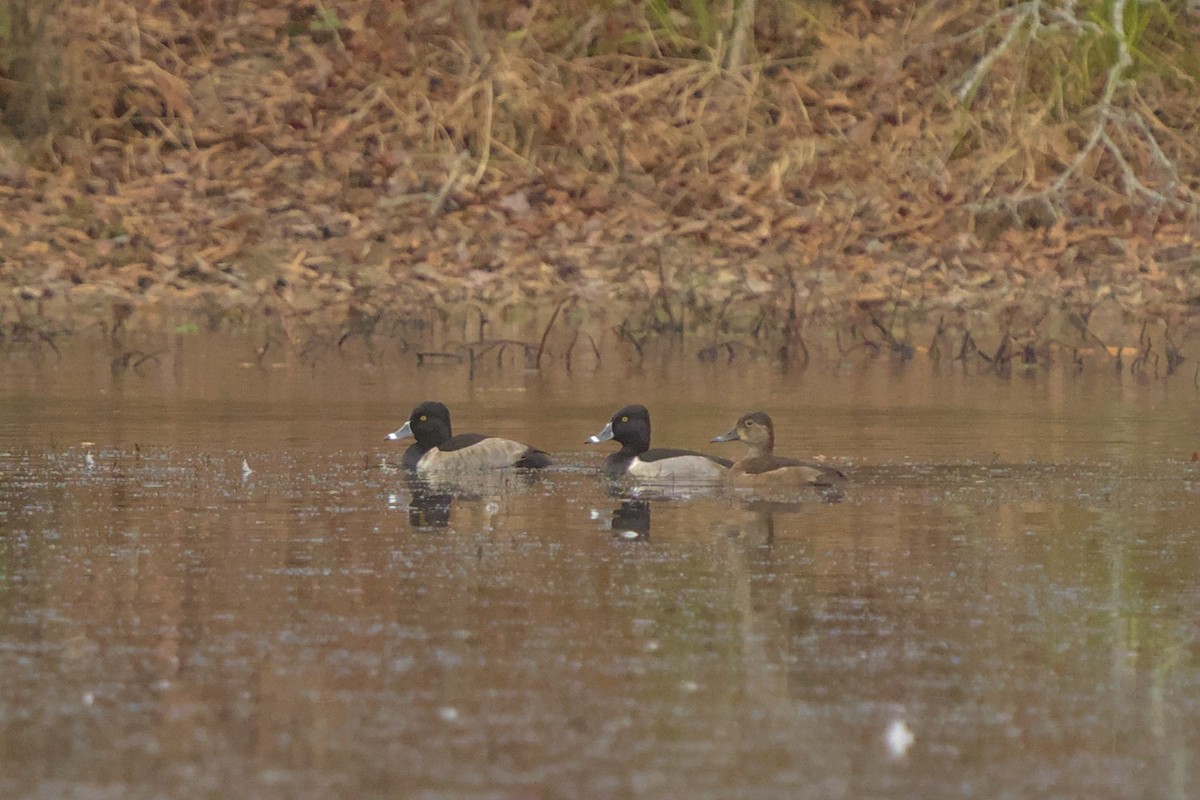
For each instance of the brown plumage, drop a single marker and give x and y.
(761, 467)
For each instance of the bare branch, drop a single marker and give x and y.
(1024, 13)
(743, 34)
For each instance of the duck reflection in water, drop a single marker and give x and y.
(756, 526)
(430, 500)
(631, 520)
(428, 506)
(754, 521)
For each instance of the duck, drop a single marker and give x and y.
(631, 427)
(761, 467)
(438, 450)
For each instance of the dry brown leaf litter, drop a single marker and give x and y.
(249, 167)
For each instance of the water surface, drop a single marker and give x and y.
(1011, 578)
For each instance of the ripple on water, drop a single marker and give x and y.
(1009, 574)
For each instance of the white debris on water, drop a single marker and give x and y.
(898, 737)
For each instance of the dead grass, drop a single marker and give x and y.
(876, 168)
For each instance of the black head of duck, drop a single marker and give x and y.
(437, 449)
(630, 426)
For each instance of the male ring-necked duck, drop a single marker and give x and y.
(631, 427)
(437, 450)
(761, 467)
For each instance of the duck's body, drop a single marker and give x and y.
(782, 472)
(631, 427)
(437, 451)
(761, 467)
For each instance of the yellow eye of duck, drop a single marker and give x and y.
(423, 418)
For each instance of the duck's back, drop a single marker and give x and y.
(781, 471)
(475, 451)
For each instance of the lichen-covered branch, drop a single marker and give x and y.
(1033, 23)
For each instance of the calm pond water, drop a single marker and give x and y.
(1004, 603)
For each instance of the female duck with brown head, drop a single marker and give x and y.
(438, 451)
(761, 467)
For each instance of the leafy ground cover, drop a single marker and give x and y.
(994, 180)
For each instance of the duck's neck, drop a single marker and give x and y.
(616, 463)
(760, 449)
(435, 436)
(634, 447)
(413, 455)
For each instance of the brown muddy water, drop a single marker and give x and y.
(1004, 603)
